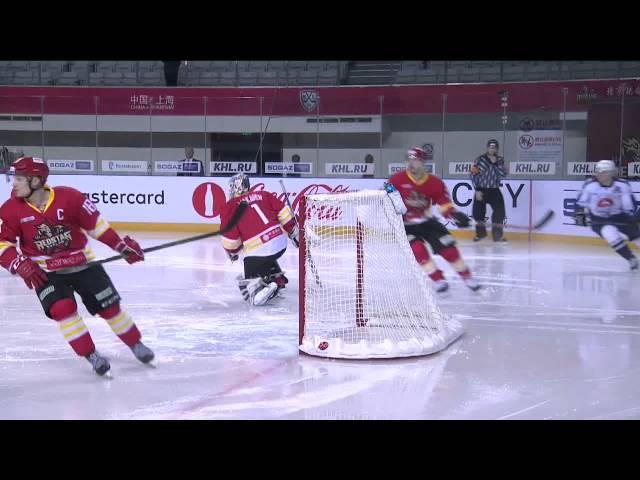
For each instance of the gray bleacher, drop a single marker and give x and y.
(230, 73)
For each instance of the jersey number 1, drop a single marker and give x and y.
(256, 207)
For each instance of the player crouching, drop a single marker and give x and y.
(606, 204)
(259, 233)
(51, 225)
(413, 192)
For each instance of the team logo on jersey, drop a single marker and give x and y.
(309, 99)
(605, 203)
(50, 240)
(417, 200)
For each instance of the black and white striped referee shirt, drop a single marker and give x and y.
(490, 173)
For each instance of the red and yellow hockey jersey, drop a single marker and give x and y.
(259, 229)
(56, 237)
(419, 196)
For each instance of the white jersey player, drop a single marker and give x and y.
(606, 204)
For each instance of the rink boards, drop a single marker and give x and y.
(194, 203)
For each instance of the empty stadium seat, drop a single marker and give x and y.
(247, 77)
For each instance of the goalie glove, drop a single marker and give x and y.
(396, 198)
(294, 235)
(581, 218)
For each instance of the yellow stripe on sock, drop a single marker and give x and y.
(66, 324)
(72, 335)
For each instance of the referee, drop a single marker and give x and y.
(487, 171)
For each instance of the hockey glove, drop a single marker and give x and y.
(581, 218)
(294, 235)
(31, 273)
(396, 198)
(460, 219)
(130, 250)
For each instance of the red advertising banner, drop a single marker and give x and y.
(345, 100)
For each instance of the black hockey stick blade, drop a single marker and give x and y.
(546, 218)
(242, 206)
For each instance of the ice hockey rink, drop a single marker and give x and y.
(553, 335)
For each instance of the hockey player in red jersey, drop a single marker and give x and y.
(260, 233)
(52, 226)
(419, 191)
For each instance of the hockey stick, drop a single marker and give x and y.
(232, 223)
(546, 218)
(312, 264)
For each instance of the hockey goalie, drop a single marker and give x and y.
(259, 235)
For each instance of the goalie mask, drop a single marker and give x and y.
(238, 184)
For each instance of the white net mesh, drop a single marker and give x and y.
(365, 296)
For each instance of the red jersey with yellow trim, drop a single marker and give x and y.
(259, 228)
(419, 195)
(55, 238)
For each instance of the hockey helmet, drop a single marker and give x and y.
(30, 167)
(417, 152)
(606, 166)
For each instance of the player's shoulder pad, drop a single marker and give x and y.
(589, 181)
(435, 179)
(622, 180)
(398, 176)
(69, 191)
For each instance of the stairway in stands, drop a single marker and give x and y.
(372, 72)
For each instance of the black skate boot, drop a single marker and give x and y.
(99, 363)
(142, 352)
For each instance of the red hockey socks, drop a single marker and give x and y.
(121, 324)
(424, 259)
(75, 332)
(452, 255)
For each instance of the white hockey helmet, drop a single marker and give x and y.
(606, 166)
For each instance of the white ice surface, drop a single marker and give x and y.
(555, 334)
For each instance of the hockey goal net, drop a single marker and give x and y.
(362, 293)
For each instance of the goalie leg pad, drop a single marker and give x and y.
(256, 291)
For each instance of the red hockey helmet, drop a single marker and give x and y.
(417, 152)
(31, 167)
